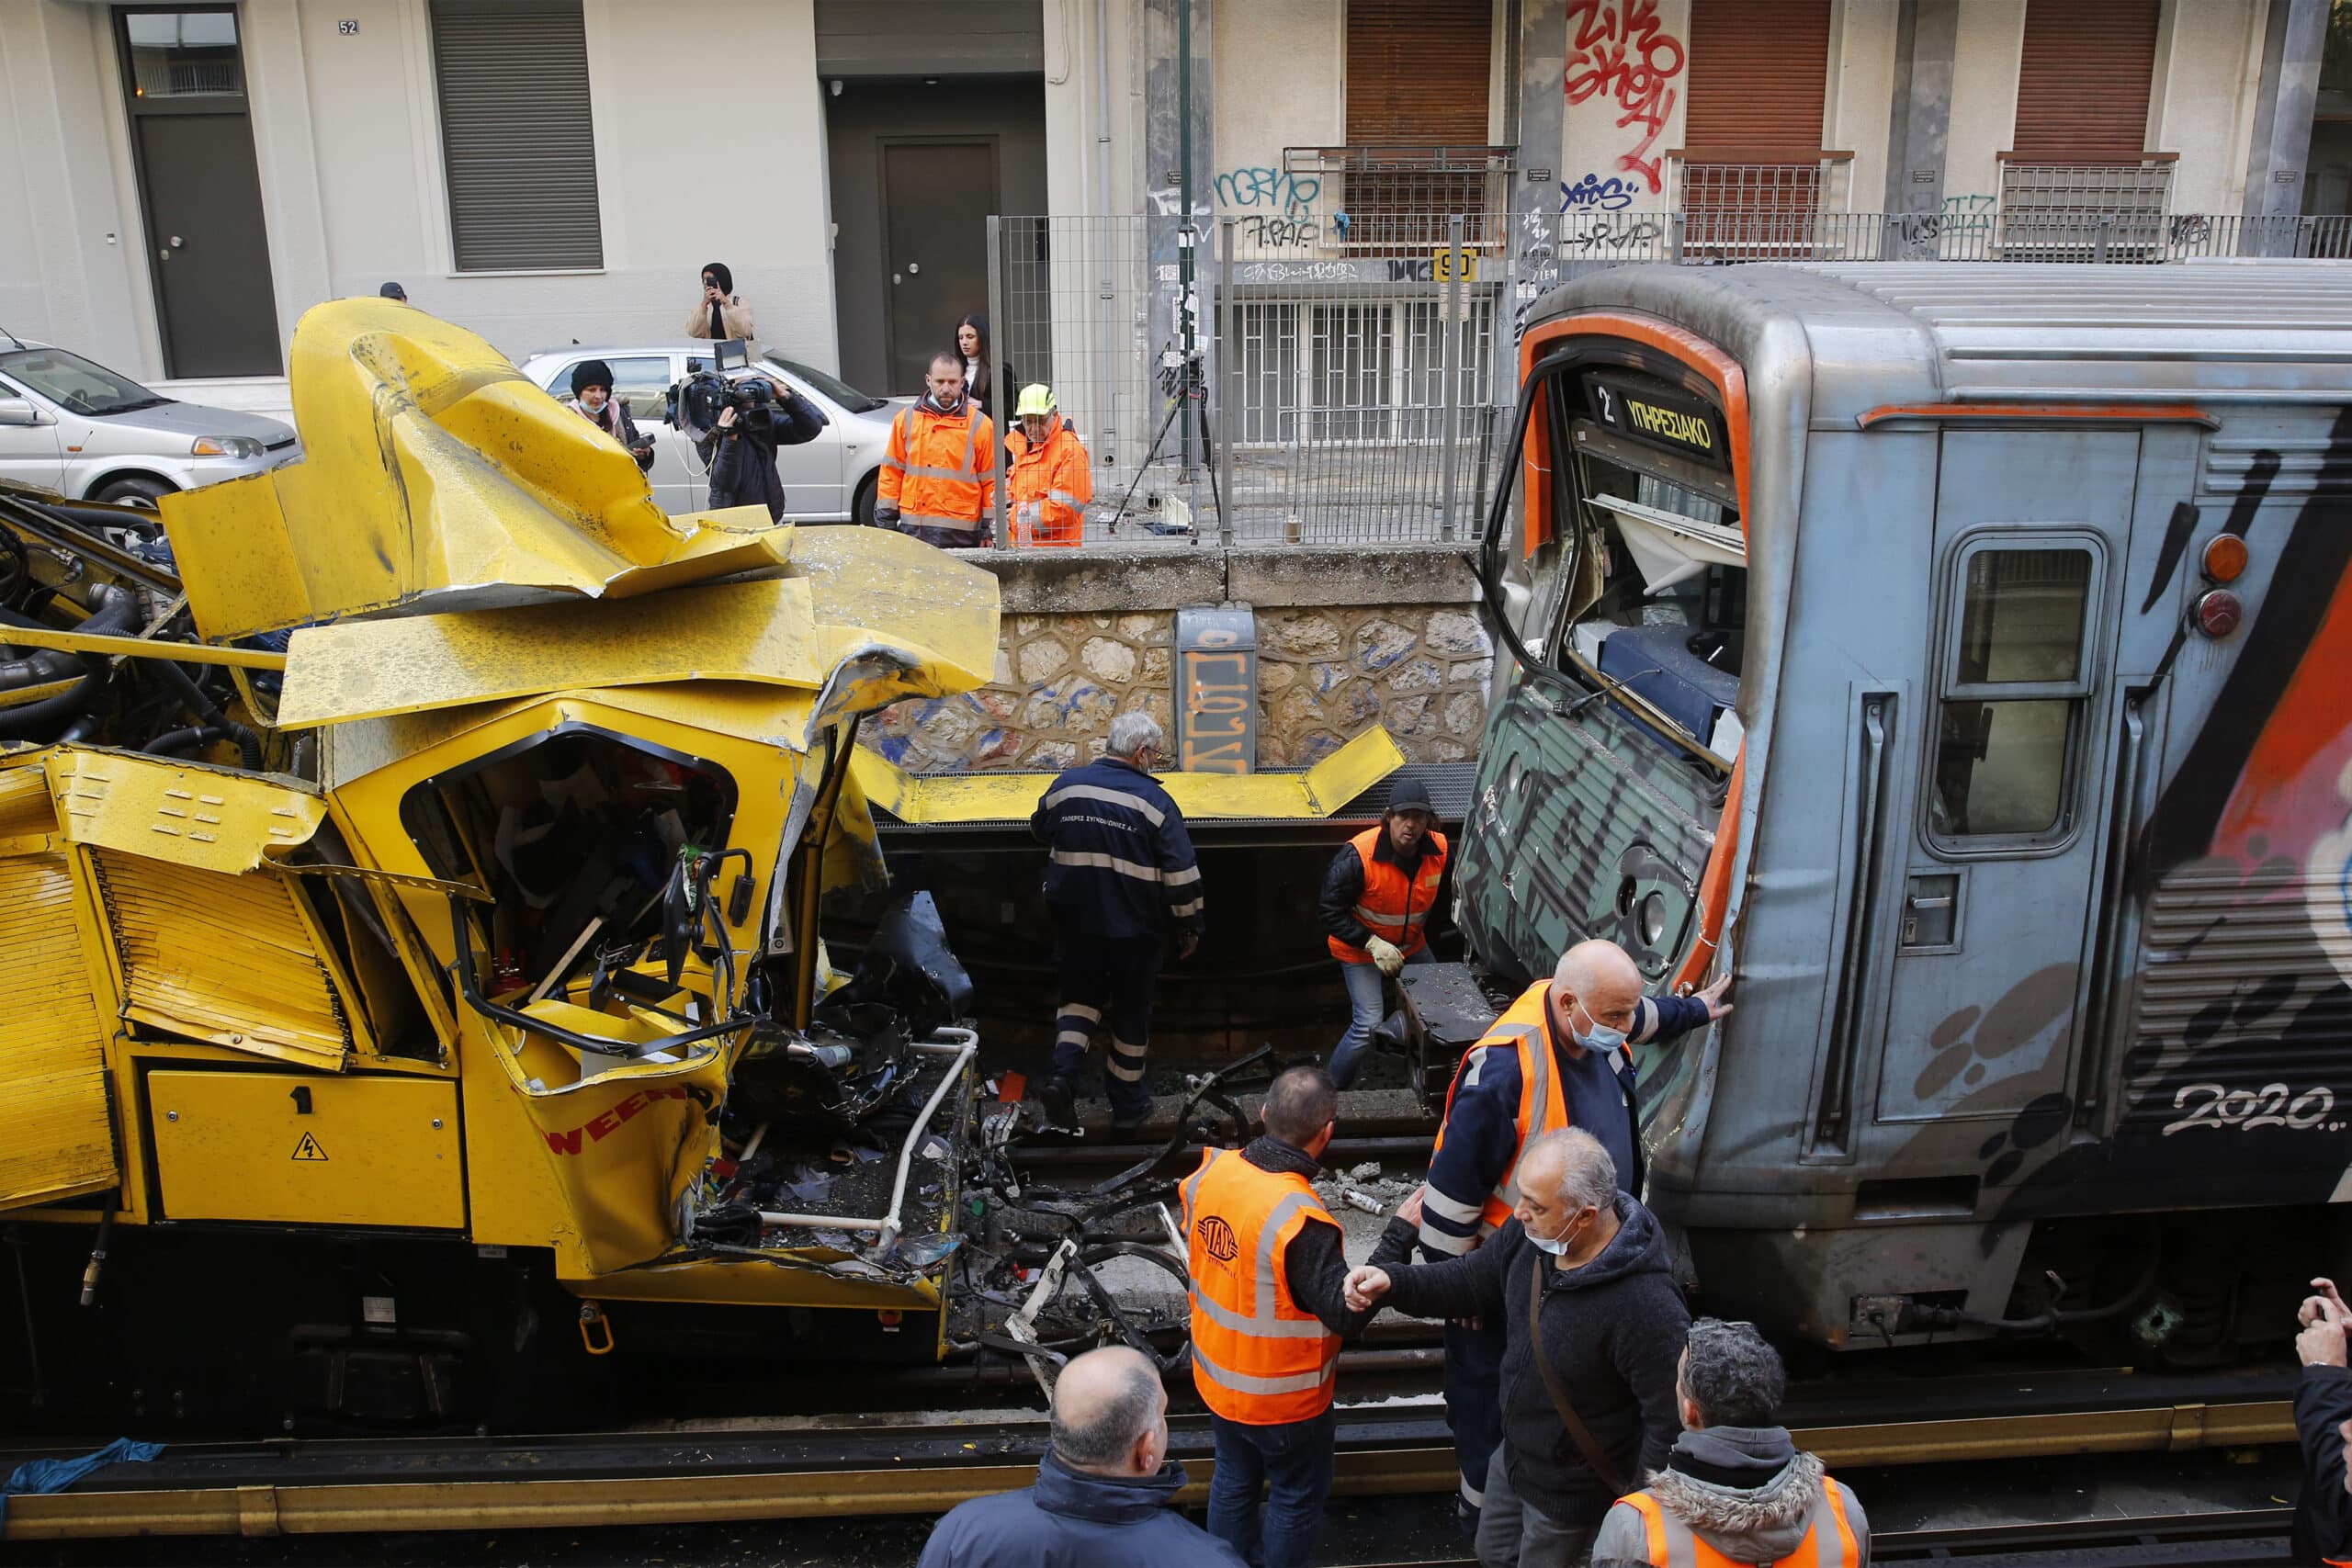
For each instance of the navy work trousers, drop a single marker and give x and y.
(1473, 1402)
(1107, 985)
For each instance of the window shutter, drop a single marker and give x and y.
(516, 134)
(2083, 81)
(1759, 80)
(1417, 72)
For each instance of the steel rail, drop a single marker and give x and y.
(691, 1484)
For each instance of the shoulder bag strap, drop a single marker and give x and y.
(1595, 1458)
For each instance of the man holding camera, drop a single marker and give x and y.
(756, 416)
(938, 478)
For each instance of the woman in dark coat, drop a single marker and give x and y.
(981, 373)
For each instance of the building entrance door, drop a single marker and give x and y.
(936, 198)
(199, 192)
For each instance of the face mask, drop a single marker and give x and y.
(1602, 1038)
(1556, 1245)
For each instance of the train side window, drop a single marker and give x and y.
(2014, 683)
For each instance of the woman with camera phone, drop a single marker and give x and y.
(720, 314)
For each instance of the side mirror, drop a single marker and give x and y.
(20, 411)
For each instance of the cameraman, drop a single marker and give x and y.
(759, 416)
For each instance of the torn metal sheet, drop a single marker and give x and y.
(434, 474)
(902, 619)
(213, 819)
(1005, 798)
(757, 631)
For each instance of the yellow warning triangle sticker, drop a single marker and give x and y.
(308, 1148)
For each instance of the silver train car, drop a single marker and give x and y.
(1963, 655)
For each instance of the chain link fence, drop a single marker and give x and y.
(1288, 377)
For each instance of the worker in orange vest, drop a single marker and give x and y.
(1736, 1490)
(1377, 898)
(1557, 1057)
(1269, 1275)
(1050, 480)
(938, 478)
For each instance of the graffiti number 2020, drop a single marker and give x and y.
(2272, 1105)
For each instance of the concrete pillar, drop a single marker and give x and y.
(1926, 41)
(2282, 112)
(1541, 50)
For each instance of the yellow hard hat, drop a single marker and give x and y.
(1038, 399)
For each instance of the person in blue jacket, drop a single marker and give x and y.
(1119, 873)
(1106, 1492)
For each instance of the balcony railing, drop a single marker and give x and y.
(1742, 180)
(1375, 200)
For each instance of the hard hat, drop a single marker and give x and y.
(1038, 399)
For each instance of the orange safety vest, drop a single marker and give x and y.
(940, 471)
(1048, 486)
(1259, 1358)
(1394, 907)
(1542, 1105)
(1673, 1544)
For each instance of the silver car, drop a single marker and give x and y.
(829, 480)
(82, 431)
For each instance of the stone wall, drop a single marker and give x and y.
(1345, 639)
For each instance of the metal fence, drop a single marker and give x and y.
(1282, 378)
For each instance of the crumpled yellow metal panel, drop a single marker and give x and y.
(221, 958)
(433, 471)
(57, 1139)
(757, 631)
(908, 620)
(216, 819)
(1002, 797)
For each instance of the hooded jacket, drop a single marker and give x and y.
(1613, 1331)
(1746, 1491)
(1073, 1519)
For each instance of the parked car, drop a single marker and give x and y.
(79, 429)
(830, 480)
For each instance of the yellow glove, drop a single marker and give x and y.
(1386, 956)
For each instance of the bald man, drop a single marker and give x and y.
(1557, 1057)
(1106, 1492)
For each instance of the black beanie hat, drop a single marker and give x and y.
(717, 272)
(591, 373)
(1410, 794)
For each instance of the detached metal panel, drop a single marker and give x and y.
(517, 134)
(57, 1138)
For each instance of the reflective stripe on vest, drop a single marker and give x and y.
(1542, 1106)
(1393, 906)
(1258, 1357)
(1670, 1543)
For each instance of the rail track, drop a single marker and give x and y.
(928, 1462)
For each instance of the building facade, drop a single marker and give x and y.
(181, 183)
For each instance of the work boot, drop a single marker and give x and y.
(1059, 1097)
(1128, 1123)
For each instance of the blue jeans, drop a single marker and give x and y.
(1368, 1004)
(1294, 1463)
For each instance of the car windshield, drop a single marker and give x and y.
(841, 391)
(71, 381)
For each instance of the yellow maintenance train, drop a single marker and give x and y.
(374, 1068)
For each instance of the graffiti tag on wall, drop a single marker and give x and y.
(1618, 53)
(1612, 194)
(1294, 196)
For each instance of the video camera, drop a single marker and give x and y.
(695, 403)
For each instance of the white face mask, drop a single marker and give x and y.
(1601, 1038)
(1557, 1246)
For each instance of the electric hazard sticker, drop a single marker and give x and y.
(309, 1149)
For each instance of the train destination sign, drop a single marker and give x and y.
(1670, 420)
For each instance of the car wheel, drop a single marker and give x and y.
(135, 491)
(861, 510)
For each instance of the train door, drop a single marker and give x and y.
(2000, 865)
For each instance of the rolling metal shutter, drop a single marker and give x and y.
(1759, 80)
(1417, 72)
(2083, 81)
(516, 134)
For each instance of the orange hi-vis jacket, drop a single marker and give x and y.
(1048, 486)
(1394, 907)
(1259, 1358)
(1829, 1541)
(940, 470)
(1542, 1105)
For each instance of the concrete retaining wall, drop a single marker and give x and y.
(1347, 638)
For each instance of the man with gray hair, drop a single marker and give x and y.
(1592, 1328)
(1559, 1057)
(1105, 1491)
(1735, 1483)
(1119, 872)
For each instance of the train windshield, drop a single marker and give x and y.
(1636, 587)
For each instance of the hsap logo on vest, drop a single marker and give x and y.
(1217, 1237)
